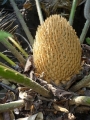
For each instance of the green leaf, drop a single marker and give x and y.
(4, 35)
(88, 40)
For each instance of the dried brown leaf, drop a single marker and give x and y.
(71, 116)
(29, 64)
(60, 93)
(60, 108)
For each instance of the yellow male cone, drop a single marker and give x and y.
(56, 50)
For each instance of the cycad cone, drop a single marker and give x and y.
(56, 50)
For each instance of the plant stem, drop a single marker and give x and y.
(87, 24)
(18, 46)
(73, 9)
(7, 59)
(16, 77)
(84, 31)
(21, 20)
(5, 65)
(39, 11)
(11, 105)
(80, 100)
(81, 84)
(8, 45)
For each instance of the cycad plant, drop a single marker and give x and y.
(10, 73)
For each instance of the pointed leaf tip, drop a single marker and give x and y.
(4, 35)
